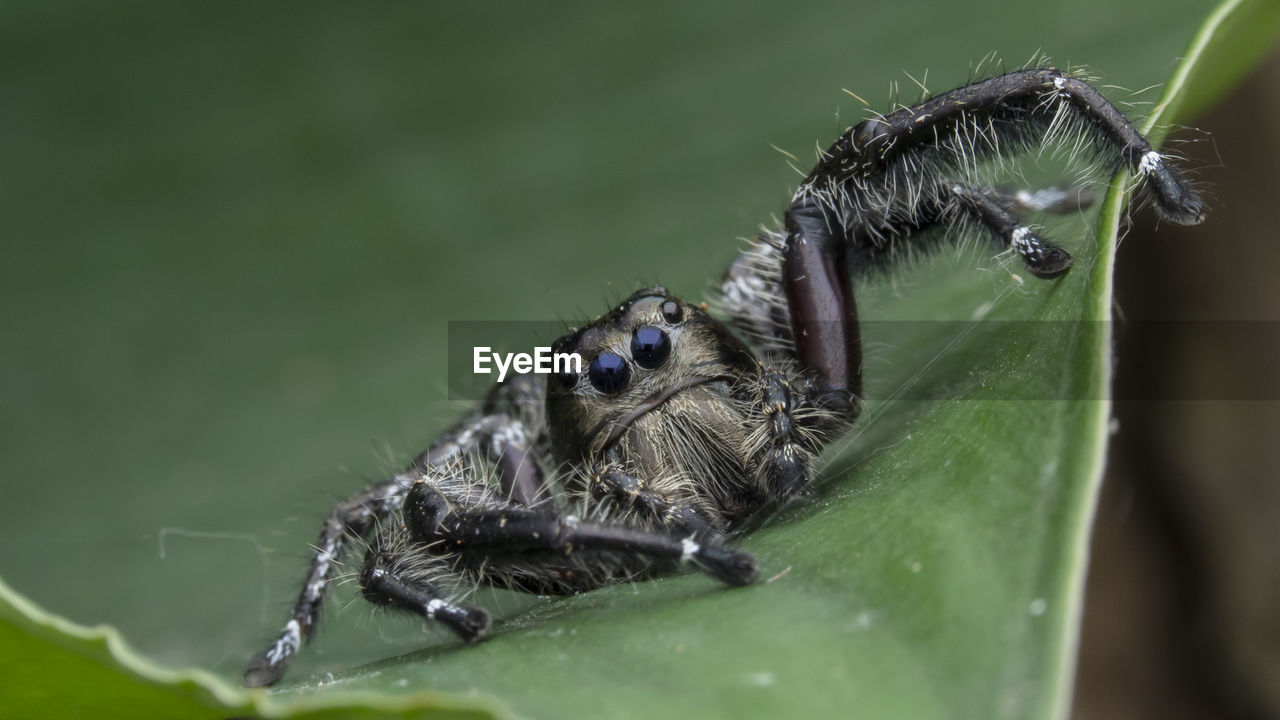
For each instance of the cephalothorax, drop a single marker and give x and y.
(681, 427)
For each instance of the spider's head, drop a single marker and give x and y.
(636, 358)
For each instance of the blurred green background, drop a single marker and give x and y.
(233, 235)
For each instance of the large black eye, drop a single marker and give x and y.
(671, 312)
(609, 373)
(650, 347)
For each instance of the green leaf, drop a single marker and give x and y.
(54, 668)
(237, 240)
(1213, 66)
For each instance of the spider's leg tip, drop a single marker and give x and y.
(739, 569)
(1176, 201)
(1189, 211)
(262, 673)
(1052, 272)
(1043, 258)
(471, 624)
(1052, 262)
(481, 622)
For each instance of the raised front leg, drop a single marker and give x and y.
(893, 175)
(877, 168)
(792, 295)
(824, 319)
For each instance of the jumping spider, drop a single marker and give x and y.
(682, 426)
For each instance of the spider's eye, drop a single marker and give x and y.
(609, 373)
(672, 312)
(650, 347)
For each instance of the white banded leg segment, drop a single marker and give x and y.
(728, 566)
(688, 549)
(1149, 162)
(435, 605)
(288, 643)
(1174, 199)
(1043, 258)
(470, 624)
(1025, 243)
(508, 538)
(385, 587)
(267, 667)
(351, 517)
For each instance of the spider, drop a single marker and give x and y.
(681, 427)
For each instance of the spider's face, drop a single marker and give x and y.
(649, 351)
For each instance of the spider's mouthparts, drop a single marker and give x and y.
(654, 400)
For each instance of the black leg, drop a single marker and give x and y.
(382, 584)
(824, 319)
(490, 539)
(999, 116)
(1043, 258)
(890, 175)
(500, 438)
(354, 516)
